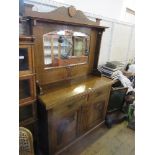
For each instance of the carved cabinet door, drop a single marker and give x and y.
(93, 112)
(97, 106)
(64, 130)
(91, 115)
(96, 114)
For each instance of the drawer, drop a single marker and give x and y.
(98, 95)
(69, 105)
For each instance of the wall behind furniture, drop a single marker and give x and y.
(117, 42)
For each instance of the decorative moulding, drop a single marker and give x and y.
(66, 15)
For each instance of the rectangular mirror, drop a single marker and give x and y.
(63, 48)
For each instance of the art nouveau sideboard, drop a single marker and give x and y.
(72, 100)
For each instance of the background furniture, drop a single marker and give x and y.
(25, 142)
(117, 97)
(115, 113)
(27, 86)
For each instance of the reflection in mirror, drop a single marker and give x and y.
(63, 48)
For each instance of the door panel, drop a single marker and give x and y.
(96, 113)
(64, 129)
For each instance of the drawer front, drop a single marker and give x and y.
(98, 95)
(69, 105)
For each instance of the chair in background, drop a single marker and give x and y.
(25, 142)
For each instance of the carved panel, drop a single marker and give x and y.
(64, 130)
(72, 11)
(62, 14)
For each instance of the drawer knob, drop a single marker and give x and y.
(70, 105)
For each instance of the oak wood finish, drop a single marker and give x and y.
(72, 89)
(32, 92)
(62, 15)
(27, 113)
(30, 70)
(50, 75)
(27, 42)
(28, 105)
(73, 108)
(60, 19)
(73, 102)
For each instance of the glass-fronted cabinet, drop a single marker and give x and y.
(27, 112)
(66, 47)
(25, 62)
(26, 89)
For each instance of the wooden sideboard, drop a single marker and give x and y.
(71, 110)
(72, 101)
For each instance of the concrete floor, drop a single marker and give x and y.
(119, 140)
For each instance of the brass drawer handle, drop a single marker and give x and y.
(99, 93)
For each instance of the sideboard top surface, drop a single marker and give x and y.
(55, 95)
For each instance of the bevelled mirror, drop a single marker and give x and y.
(64, 48)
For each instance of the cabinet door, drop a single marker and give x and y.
(26, 89)
(91, 115)
(25, 59)
(27, 112)
(98, 101)
(64, 129)
(93, 112)
(96, 113)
